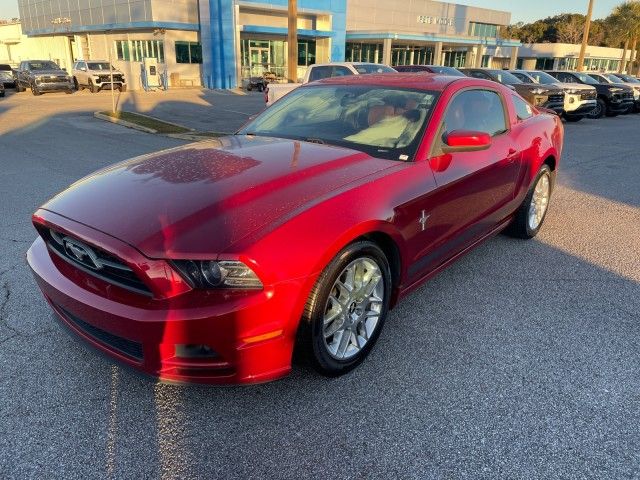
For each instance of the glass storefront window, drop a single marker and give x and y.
(477, 29)
(411, 55)
(363, 52)
(456, 58)
(136, 50)
(268, 57)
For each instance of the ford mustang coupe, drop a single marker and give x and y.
(213, 262)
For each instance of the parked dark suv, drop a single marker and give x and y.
(6, 76)
(546, 96)
(43, 76)
(454, 72)
(612, 99)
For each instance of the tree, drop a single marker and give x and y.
(625, 26)
(571, 30)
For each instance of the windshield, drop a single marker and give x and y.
(383, 122)
(365, 68)
(612, 78)
(98, 66)
(543, 78)
(505, 77)
(454, 72)
(43, 66)
(628, 79)
(585, 78)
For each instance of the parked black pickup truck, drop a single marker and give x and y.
(612, 99)
(43, 76)
(547, 96)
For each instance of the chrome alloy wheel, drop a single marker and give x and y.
(353, 308)
(539, 201)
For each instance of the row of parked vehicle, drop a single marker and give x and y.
(42, 76)
(572, 95)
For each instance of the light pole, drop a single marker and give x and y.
(292, 40)
(585, 36)
(113, 97)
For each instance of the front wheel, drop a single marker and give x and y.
(92, 87)
(347, 309)
(598, 110)
(35, 91)
(533, 210)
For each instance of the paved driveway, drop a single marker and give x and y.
(520, 361)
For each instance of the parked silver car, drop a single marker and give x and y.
(96, 75)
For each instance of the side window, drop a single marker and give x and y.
(522, 77)
(566, 78)
(476, 110)
(341, 72)
(523, 109)
(318, 73)
(476, 74)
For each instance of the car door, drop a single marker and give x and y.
(83, 75)
(475, 189)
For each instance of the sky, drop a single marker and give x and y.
(521, 10)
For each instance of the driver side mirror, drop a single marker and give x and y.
(465, 141)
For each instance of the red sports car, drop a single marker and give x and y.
(210, 263)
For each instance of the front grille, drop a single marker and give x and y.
(588, 95)
(114, 342)
(556, 98)
(53, 79)
(626, 95)
(96, 262)
(107, 78)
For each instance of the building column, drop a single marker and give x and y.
(469, 59)
(513, 61)
(386, 51)
(481, 49)
(437, 54)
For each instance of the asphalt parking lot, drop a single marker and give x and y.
(522, 360)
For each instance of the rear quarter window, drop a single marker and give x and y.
(523, 109)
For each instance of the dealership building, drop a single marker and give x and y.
(220, 43)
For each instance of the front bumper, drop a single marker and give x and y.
(54, 86)
(251, 332)
(557, 107)
(581, 108)
(621, 105)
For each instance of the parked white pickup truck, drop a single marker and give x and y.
(320, 71)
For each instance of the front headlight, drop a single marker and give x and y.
(615, 89)
(572, 92)
(214, 274)
(538, 91)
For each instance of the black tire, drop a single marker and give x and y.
(76, 85)
(2, 93)
(260, 87)
(19, 88)
(35, 91)
(599, 110)
(69, 91)
(311, 343)
(520, 227)
(92, 87)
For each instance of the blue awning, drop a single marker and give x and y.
(283, 31)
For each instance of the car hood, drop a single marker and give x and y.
(528, 87)
(197, 200)
(574, 86)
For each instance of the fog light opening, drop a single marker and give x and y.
(195, 351)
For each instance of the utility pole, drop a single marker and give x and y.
(585, 37)
(292, 40)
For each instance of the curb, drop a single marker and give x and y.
(124, 123)
(164, 121)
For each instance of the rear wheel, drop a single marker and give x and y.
(346, 309)
(533, 210)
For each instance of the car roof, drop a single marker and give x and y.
(428, 81)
